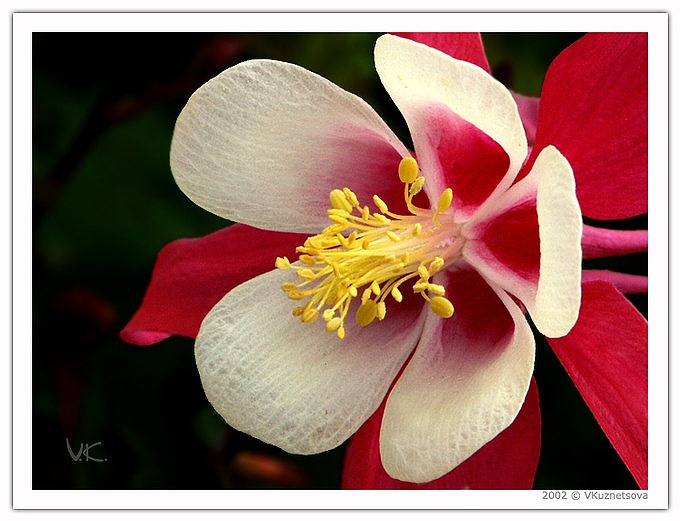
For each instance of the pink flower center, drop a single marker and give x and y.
(374, 253)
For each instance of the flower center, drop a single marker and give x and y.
(374, 253)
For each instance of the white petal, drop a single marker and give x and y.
(560, 226)
(457, 393)
(265, 142)
(416, 76)
(554, 299)
(295, 385)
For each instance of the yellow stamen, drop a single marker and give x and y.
(396, 295)
(443, 204)
(417, 186)
(408, 170)
(333, 324)
(445, 201)
(367, 313)
(339, 201)
(382, 310)
(282, 263)
(310, 315)
(380, 204)
(374, 253)
(393, 236)
(442, 306)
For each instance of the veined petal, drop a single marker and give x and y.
(291, 384)
(461, 46)
(508, 462)
(529, 243)
(192, 275)
(417, 76)
(605, 355)
(265, 142)
(465, 383)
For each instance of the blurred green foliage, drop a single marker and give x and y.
(105, 203)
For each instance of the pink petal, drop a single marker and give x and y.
(462, 46)
(508, 461)
(421, 79)
(528, 242)
(192, 275)
(528, 111)
(466, 382)
(624, 282)
(594, 111)
(465, 158)
(605, 355)
(510, 242)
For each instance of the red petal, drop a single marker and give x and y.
(462, 46)
(594, 110)
(511, 241)
(605, 355)
(192, 275)
(468, 160)
(508, 461)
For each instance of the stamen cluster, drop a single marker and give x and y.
(373, 253)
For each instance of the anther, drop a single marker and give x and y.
(382, 206)
(339, 201)
(436, 289)
(393, 236)
(333, 324)
(381, 310)
(381, 218)
(282, 263)
(408, 170)
(367, 313)
(351, 197)
(436, 264)
(417, 186)
(442, 307)
(307, 259)
(309, 315)
(396, 294)
(306, 274)
(445, 201)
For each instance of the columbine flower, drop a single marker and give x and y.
(420, 267)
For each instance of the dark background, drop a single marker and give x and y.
(105, 203)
